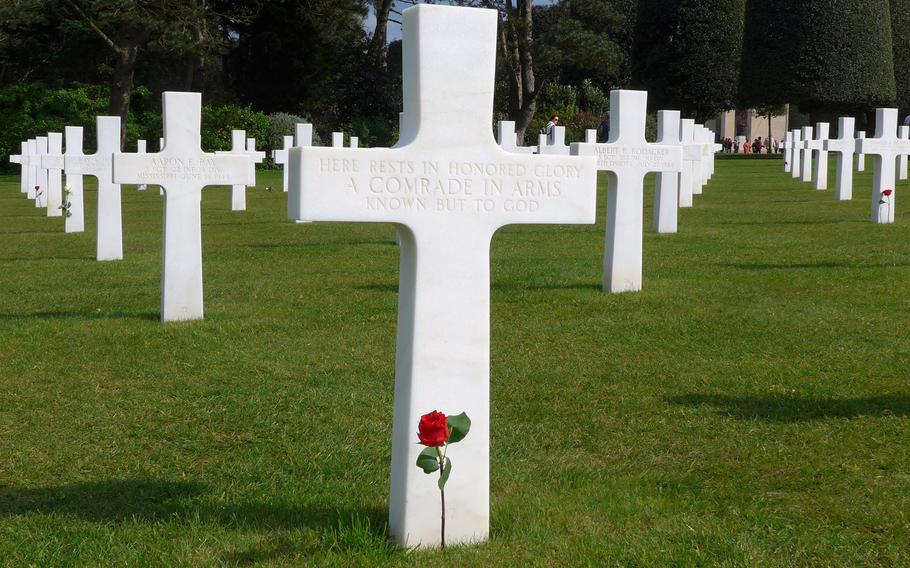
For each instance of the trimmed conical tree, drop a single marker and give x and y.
(687, 54)
(772, 43)
(900, 37)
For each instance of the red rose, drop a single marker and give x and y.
(887, 192)
(37, 187)
(433, 430)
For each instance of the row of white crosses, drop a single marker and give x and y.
(890, 149)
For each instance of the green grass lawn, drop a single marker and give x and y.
(750, 407)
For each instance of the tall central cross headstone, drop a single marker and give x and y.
(182, 169)
(53, 163)
(41, 179)
(885, 148)
(109, 245)
(448, 188)
(75, 222)
(666, 193)
(843, 146)
(806, 152)
(796, 154)
(817, 146)
(628, 157)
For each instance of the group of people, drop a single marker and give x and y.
(756, 146)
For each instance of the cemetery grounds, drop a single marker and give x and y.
(750, 407)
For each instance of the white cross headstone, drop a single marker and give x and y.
(23, 162)
(141, 148)
(885, 148)
(558, 147)
(161, 149)
(448, 190)
(691, 158)
(34, 162)
(666, 193)
(239, 148)
(699, 178)
(75, 222)
(820, 155)
(41, 179)
(338, 140)
(508, 139)
(52, 162)
(110, 223)
(182, 169)
(843, 146)
(354, 142)
(806, 152)
(280, 157)
(786, 147)
(303, 138)
(860, 157)
(796, 154)
(902, 161)
(628, 157)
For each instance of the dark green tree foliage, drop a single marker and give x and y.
(687, 54)
(299, 56)
(846, 61)
(772, 43)
(900, 37)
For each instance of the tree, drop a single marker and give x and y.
(687, 54)
(772, 41)
(900, 37)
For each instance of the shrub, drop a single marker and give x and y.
(219, 121)
(372, 131)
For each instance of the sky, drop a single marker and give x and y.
(395, 30)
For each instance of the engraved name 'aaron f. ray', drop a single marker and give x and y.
(448, 187)
(182, 169)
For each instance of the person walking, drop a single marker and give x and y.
(603, 134)
(550, 129)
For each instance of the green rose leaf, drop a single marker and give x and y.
(427, 460)
(460, 425)
(446, 471)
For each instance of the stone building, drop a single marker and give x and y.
(747, 125)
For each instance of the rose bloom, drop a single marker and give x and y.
(887, 192)
(433, 430)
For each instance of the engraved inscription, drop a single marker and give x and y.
(162, 169)
(653, 158)
(450, 186)
(88, 164)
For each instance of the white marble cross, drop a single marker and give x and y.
(820, 155)
(41, 179)
(354, 142)
(75, 222)
(23, 162)
(806, 151)
(338, 140)
(885, 148)
(110, 222)
(141, 148)
(280, 157)
(860, 157)
(558, 147)
(303, 138)
(182, 169)
(448, 189)
(902, 162)
(796, 154)
(628, 157)
(701, 176)
(843, 146)
(257, 156)
(787, 147)
(33, 160)
(508, 139)
(52, 161)
(239, 145)
(707, 156)
(691, 158)
(666, 193)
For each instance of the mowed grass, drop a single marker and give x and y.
(750, 407)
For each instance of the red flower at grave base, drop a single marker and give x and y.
(888, 192)
(433, 429)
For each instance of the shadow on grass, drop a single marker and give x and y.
(795, 222)
(312, 245)
(151, 502)
(499, 287)
(86, 315)
(799, 409)
(797, 266)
